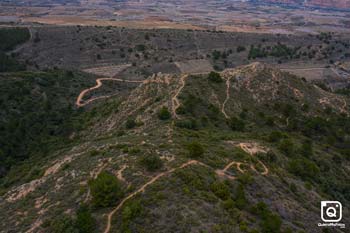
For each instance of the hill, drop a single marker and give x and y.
(251, 149)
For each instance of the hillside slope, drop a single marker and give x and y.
(251, 149)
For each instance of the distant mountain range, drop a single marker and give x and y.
(332, 4)
(339, 4)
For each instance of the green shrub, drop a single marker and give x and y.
(221, 190)
(85, 222)
(131, 210)
(62, 224)
(151, 162)
(130, 123)
(303, 168)
(287, 147)
(236, 124)
(216, 54)
(105, 190)
(215, 77)
(195, 150)
(270, 156)
(94, 152)
(187, 124)
(9, 64)
(240, 48)
(275, 136)
(164, 114)
(240, 198)
(271, 223)
(229, 204)
(245, 178)
(11, 37)
(140, 47)
(306, 148)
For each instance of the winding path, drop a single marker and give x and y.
(228, 81)
(175, 100)
(142, 189)
(221, 173)
(80, 103)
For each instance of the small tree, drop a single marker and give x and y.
(236, 124)
(306, 148)
(215, 77)
(164, 114)
(221, 190)
(240, 48)
(130, 123)
(287, 147)
(105, 190)
(62, 224)
(275, 136)
(195, 149)
(85, 222)
(151, 162)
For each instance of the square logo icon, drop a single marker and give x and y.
(331, 211)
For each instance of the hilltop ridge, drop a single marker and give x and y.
(220, 144)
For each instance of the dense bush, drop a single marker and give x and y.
(84, 222)
(8, 64)
(189, 105)
(216, 54)
(164, 114)
(221, 190)
(287, 147)
(240, 198)
(215, 77)
(195, 149)
(105, 190)
(271, 223)
(140, 47)
(151, 162)
(240, 49)
(11, 37)
(43, 120)
(307, 148)
(236, 124)
(130, 123)
(62, 224)
(131, 210)
(303, 168)
(275, 136)
(187, 124)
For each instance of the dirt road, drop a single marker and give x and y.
(79, 102)
(175, 100)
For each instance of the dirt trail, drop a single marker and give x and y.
(23, 190)
(228, 81)
(120, 173)
(142, 189)
(253, 149)
(26, 44)
(175, 100)
(221, 173)
(79, 101)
